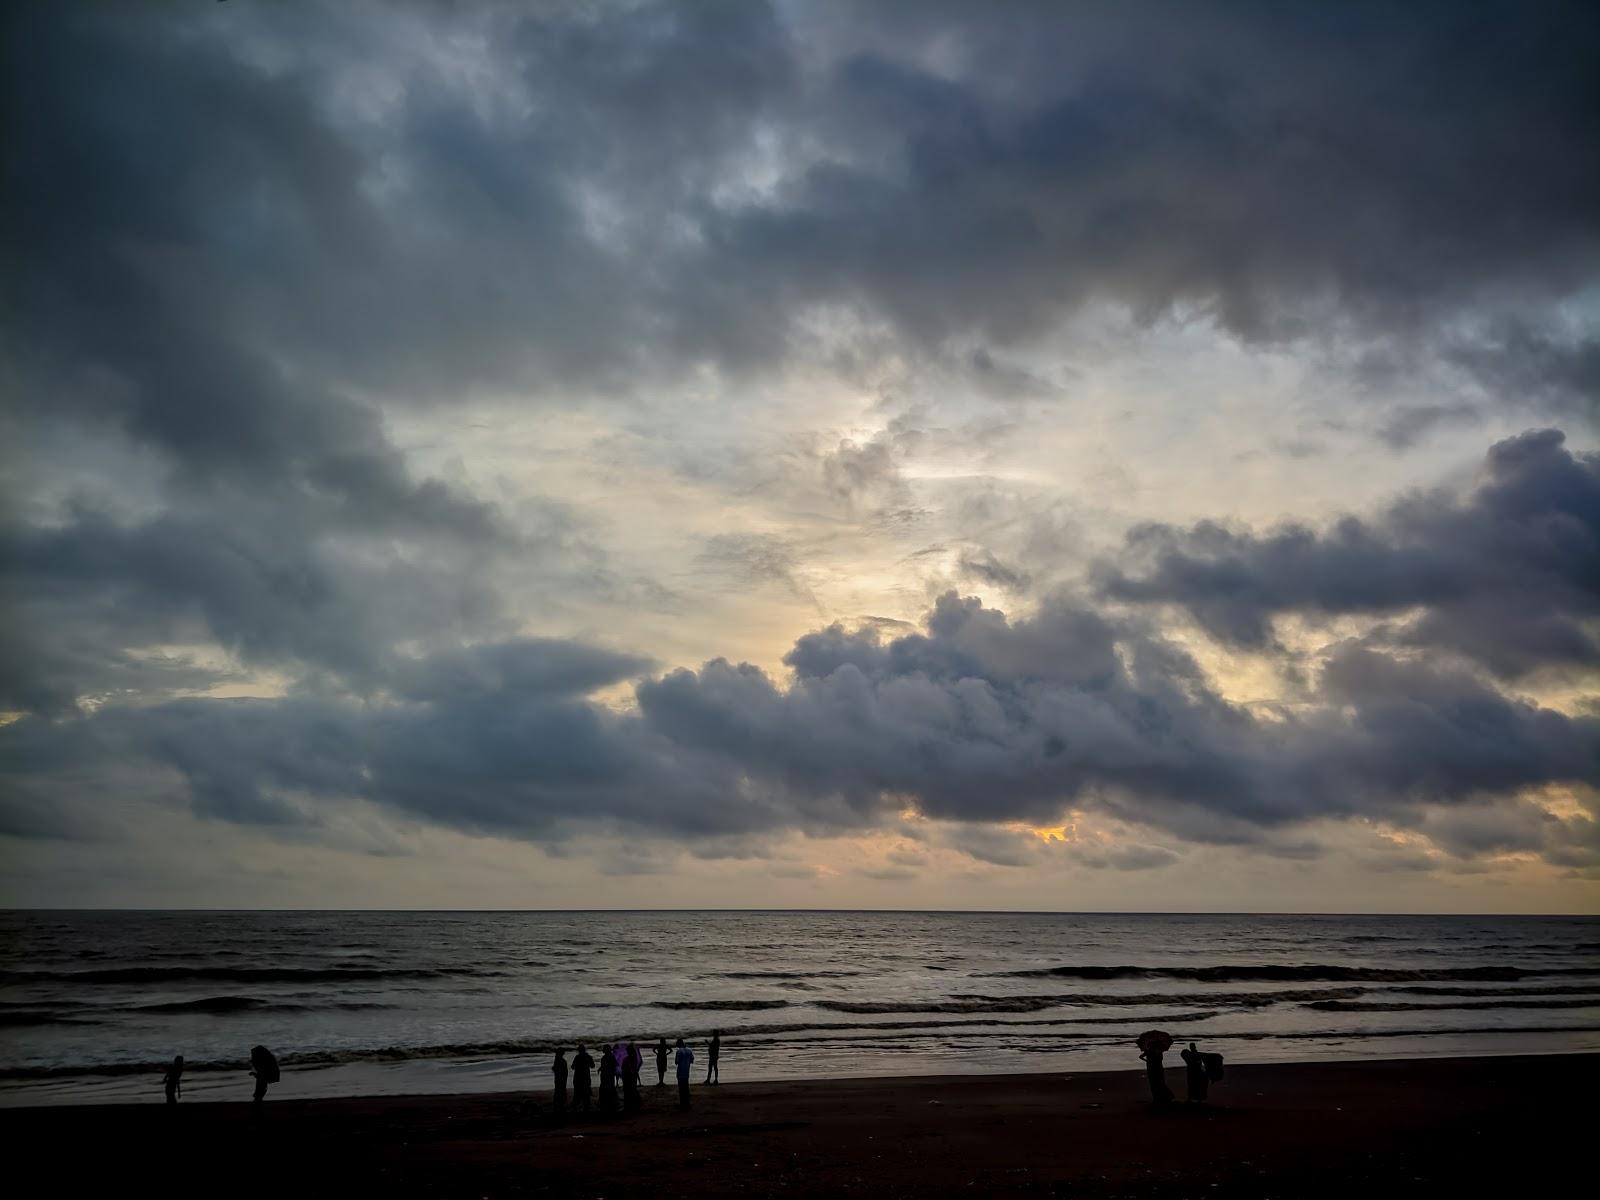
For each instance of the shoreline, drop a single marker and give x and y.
(519, 1095)
(511, 1072)
(1310, 1128)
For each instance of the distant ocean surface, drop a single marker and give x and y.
(94, 1004)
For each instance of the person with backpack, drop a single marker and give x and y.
(265, 1068)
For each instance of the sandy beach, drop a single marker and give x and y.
(1471, 1126)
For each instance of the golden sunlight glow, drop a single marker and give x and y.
(1050, 833)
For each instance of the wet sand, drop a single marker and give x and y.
(1434, 1127)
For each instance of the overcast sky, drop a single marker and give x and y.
(1069, 456)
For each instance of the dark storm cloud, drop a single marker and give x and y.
(1217, 156)
(266, 589)
(979, 719)
(1507, 575)
(214, 212)
(499, 738)
(155, 189)
(985, 719)
(1518, 360)
(545, 666)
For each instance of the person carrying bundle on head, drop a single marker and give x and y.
(1153, 1043)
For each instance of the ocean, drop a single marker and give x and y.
(94, 1004)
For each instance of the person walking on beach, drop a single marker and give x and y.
(1195, 1075)
(685, 1060)
(559, 1070)
(1152, 1045)
(661, 1062)
(173, 1080)
(265, 1068)
(713, 1051)
(608, 1080)
(582, 1064)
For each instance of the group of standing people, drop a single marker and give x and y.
(623, 1061)
(1200, 1070)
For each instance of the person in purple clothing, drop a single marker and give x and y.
(685, 1060)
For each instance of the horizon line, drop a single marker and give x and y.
(795, 911)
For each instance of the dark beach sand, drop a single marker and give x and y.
(1442, 1127)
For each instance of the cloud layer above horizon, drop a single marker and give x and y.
(1136, 456)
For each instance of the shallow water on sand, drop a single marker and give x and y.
(93, 1004)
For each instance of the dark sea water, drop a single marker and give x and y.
(92, 1005)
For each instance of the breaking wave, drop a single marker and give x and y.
(1307, 973)
(1457, 1005)
(720, 1005)
(233, 1004)
(786, 974)
(238, 974)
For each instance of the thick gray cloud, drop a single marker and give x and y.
(268, 588)
(978, 719)
(1508, 575)
(1215, 156)
(232, 217)
(986, 719)
(496, 738)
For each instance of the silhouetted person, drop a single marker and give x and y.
(173, 1080)
(1151, 1051)
(685, 1060)
(712, 1053)
(582, 1064)
(265, 1068)
(631, 1062)
(1195, 1074)
(559, 1069)
(661, 1062)
(608, 1080)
